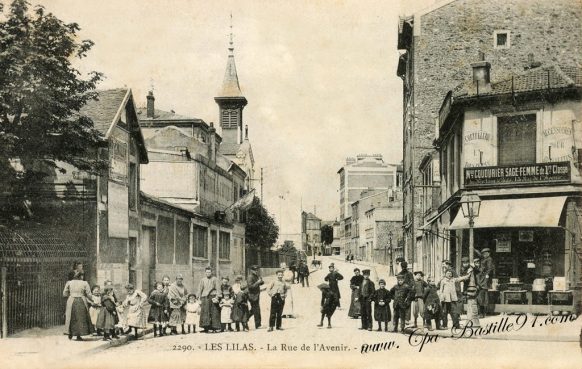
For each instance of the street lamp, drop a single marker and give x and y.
(390, 234)
(470, 206)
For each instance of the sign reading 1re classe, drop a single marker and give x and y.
(518, 174)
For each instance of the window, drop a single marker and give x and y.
(165, 240)
(182, 242)
(517, 139)
(132, 186)
(200, 242)
(501, 39)
(224, 246)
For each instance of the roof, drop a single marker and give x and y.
(230, 85)
(229, 148)
(542, 78)
(160, 115)
(104, 109)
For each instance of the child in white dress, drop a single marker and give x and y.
(226, 305)
(192, 313)
(95, 307)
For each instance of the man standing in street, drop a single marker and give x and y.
(333, 278)
(303, 273)
(409, 281)
(365, 295)
(488, 272)
(254, 287)
(278, 291)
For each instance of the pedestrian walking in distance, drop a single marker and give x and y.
(382, 305)
(333, 277)
(365, 296)
(254, 289)
(277, 290)
(328, 304)
(160, 308)
(303, 272)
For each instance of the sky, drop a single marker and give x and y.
(319, 77)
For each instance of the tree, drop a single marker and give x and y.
(327, 234)
(40, 97)
(261, 229)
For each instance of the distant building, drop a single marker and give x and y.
(366, 174)
(310, 233)
(334, 247)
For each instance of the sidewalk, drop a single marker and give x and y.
(531, 327)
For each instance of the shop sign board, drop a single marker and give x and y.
(503, 246)
(558, 172)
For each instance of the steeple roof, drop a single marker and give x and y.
(230, 85)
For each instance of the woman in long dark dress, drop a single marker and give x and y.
(355, 284)
(77, 319)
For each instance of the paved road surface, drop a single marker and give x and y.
(228, 349)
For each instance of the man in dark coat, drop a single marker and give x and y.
(365, 296)
(332, 278)
(409, 281)
(488, 271)
(482, 288)
(254, 287)
(303, 273)
(402, 295)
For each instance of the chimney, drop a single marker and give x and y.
(246, 131)
(481, 74)
(150, 104)
(212, 145)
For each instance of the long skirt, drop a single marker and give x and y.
(288, 308)
(382, 313)
(80, 324)
(106, 320)
(355, 308)
(177, 317)
(209, 314)
(157, 314)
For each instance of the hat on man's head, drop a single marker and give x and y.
(486, 249)
(465, 259)
(129, 286)
(419, 272)
(446, 261)
(255, 267)
(331, 265)
(404, 264)
(356, 270)
(179, 276)
(381, 281)
(400, 276)
(366, 272)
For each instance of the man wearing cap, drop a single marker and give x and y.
(303, 273)
(464, 284)
(488, 271)
(365, 296)
(254, 287)
(481, 290)
(278, 291)
(332, 278)
(402, 295)
(418, 302)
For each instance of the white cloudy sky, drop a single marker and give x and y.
(320, 78)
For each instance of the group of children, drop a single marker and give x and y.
(112, 317)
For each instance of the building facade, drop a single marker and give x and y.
(516, 143)
(366, 174)
(310, 234)
(438, 43)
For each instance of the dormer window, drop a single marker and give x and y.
(501, 39)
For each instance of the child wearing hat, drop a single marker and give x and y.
(382, 306)
(329, 303)
(402, 295)
(418, 302)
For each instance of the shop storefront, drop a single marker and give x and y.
(533, 243)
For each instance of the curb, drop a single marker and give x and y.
(117, 342)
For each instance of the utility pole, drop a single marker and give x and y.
(261, 185)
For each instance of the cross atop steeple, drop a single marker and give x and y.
(231, 48)
(230, 85)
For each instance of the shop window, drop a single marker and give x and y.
(517, 139)
(501, 39)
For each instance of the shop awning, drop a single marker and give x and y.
(530, 212)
